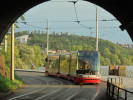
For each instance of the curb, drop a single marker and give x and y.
(103, 80)
(6, 93)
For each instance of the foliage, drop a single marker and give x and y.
(6, 84)
(110, 53)
(4, 71)
(29, 55)
(24, 55)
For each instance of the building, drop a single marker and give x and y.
(23, 38)
(127, 45)
(54, 51)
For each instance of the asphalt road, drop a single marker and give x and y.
(40, 87)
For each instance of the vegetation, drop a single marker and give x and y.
(27, 54)
(5, 83)
(110, 53)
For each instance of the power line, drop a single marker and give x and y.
(64, 1)
(25, 23)
(57, 1)
(104, 20)
(77, 19)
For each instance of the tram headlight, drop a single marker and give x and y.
(79, 75)
(97, 75)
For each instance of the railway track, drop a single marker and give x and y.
(40, 87)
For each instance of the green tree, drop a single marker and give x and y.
(106, 53)
(107, 62)
(113, 59)
(37, 56)
(101, 60)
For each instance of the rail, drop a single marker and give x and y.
(116, 90)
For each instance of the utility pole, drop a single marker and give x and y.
(12, 52)
(47, 36)
(5, 43)
(96, 28)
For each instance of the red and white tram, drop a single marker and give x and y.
(79, 66)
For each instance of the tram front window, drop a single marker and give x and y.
(84, 65)
(88, 63)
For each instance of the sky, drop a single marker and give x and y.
(62, 16)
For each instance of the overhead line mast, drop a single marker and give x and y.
(96, 28)
(12, 53)
(47, 36)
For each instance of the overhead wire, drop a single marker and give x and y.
(25, 23)
(104, 20)
(77, 19)
(76, 14)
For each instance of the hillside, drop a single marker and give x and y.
(110, 53)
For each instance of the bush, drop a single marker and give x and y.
(7, 84)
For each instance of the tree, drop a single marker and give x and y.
(113, 59)
(106, 53)
(107, 62)
(101, 60)
(37, 56)
(22, 18)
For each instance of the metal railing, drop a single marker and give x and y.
(116, 90)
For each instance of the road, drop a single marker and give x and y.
(37, 86)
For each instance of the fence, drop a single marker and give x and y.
(116, 90)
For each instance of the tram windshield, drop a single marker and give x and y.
(88, 62)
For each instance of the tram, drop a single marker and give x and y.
(79, 66)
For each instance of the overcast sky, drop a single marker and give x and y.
(62, 17)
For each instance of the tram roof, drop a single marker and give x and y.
(69, 53)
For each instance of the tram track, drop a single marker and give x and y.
(54, 91)
(30, 92)
(75, 93)
(47, 87)
(62, 93)
(97, 92)
(72, 97)
(41, 97)
(52, 88)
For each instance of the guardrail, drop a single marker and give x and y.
(116, 89)
(30, 70)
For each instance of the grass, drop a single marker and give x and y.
(6, 84)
